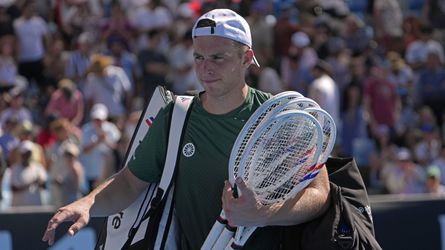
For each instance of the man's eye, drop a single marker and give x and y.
(199, 58)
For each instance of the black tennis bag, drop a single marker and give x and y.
(347, 224)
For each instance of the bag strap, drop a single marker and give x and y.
(182, 104)
(179, 116)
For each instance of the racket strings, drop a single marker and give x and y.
(282, 152)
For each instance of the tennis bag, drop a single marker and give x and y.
(148, 223)
(347, 224)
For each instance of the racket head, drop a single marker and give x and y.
(284, 148)
(329, 132)
(252, 123)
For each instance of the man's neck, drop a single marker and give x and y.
(224, 104)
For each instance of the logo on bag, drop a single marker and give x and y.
(188, 150)
(116, 222)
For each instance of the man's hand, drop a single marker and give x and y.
(78, 212)
(245, 210)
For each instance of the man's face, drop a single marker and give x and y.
(219, 64)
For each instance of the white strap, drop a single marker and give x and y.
(182, 103)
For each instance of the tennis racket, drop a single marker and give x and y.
(221, 232)
(329, 134)
(277, 161)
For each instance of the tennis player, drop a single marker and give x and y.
(222, 50)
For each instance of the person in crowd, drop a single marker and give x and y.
(153, 63)
(71, 181)
(27, 178)
(108, 84)
(66, 102)
(99, 138)
(404, 176)
(16, 107)
(32, 37)
(78, 60)
(64, 133)
(324, 90)
(297, 65)
(221, 61)
(433, 181)
(8, 65)
(180, 59)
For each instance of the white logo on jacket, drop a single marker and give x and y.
(188, 150)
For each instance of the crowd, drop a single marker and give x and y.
(75, 75)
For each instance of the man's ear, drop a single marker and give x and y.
(248, 57)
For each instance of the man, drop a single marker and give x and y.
(222, 52)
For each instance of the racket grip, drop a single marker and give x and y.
(215, 232)
(224, 238)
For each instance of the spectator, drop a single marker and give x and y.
(8, 67)
(404, 176)
(27, 178)
(99, 138)
(433, 181)
(418, 51)
(66, 102)
(54, 63)
(381, 101)
(297, 65)
(16, 108)
(8, 140)
(57, 165)
(109, 85)
(71, 181)
(262, 32)
(428, 148)
(117, 26)
(25, 131)
(78, 61)
(387, 19)
(430, 86)
(181, 60)
(324, 90)
(153, 63)
(32, 36)
(124, 59)
(439, 162)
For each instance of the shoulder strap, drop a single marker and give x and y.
(182, 104)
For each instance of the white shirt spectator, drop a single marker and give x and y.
(109, 90)
(30, 35)
(325, 92)
(418, 51)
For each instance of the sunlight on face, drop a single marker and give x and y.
(219, 63)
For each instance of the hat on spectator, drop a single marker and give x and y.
(300, 39)
(26, 146)
(71, 148)
(433, 171)
(25, 127)
(403, 154)
(99, 62)
(67, 84)
(99, 111)
(224, 23)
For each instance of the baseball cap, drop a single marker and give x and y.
(26, 146)
(403, 154)
(224, 23)
(300, 39)
(99, 111)
(433, 171)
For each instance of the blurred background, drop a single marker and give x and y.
(76, 74)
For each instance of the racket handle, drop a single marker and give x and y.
(215, 232)
(241, 237)
(224, 238)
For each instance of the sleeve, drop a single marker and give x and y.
(149, 157)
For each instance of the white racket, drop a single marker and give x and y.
(329, 134)
(221, 232)
(277, 160)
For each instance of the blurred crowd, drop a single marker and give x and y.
(75, 75)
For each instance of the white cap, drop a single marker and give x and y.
(227, 24)
(25, 146)
(300, 39)
(99, 111)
